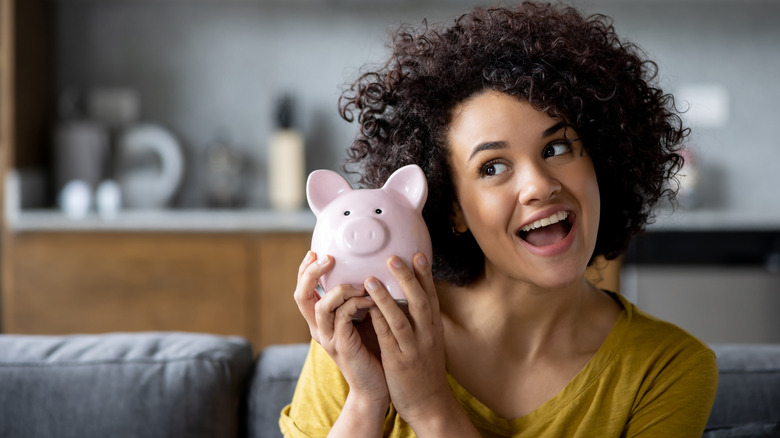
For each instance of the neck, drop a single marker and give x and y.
(520, 319)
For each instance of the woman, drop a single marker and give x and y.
(545, 144)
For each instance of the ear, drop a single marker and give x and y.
(409, 182)
(459, 225)
(322, 187)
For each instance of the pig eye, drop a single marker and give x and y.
(346, 213)
(378, 211)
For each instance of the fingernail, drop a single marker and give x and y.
(323, 260)
(422, 261)
(396, 263)
(309, 256)
(372, 284)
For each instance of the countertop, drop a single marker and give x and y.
(204, 221)
(705, 220)
(304, 221)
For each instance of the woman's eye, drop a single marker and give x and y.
(492, 169)
(556, 149)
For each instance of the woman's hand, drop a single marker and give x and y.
(330, 323)
(412, 351)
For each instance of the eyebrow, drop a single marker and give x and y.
(554, 128)
(488, 146)
(495, 145)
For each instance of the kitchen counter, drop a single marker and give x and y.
(716, 220)
(710, 238)
(304, 221)
(202, 221)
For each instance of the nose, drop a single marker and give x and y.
(537, 184)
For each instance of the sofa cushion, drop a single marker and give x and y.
(748, 400)
(122, 385)
(276, 374)
(752, 430)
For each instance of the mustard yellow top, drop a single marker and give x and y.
(649, 378)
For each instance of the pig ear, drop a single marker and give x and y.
(409, 182)
(322, 187)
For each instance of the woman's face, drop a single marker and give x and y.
(526, 189)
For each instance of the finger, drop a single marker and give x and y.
(326, 308)
(399, 328)
(419, 304)
(309, 272)
(384, 334)
(309, 259)
(306, 295)
(343, 322)
(424, 273)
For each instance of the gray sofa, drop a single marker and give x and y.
(197, 385)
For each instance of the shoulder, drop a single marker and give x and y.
(662, 348)
(672, 374)
(651, 334)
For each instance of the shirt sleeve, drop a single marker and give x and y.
(318, 399)
(678, 398)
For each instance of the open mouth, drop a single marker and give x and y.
(547, 231)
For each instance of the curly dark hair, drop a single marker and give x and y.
(562, 63)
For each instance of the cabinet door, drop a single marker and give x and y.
(68, 283)
(277, 319)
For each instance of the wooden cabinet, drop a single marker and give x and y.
(89, 283)
(238, 284)
(235, 284)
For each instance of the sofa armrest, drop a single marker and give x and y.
(276, 374)
(748, 400)
(122, 384)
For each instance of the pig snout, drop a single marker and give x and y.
(363, 235)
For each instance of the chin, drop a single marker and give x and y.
(558, 277)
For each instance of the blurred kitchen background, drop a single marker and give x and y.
(130, 121)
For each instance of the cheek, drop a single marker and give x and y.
(592, 196)
(485, 211)
(582, 183)
(595, 196)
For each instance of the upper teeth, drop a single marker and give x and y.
(553, 219)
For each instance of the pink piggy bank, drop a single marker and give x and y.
(362, 229)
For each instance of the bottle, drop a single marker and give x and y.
(689, 180)
(286, 161)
